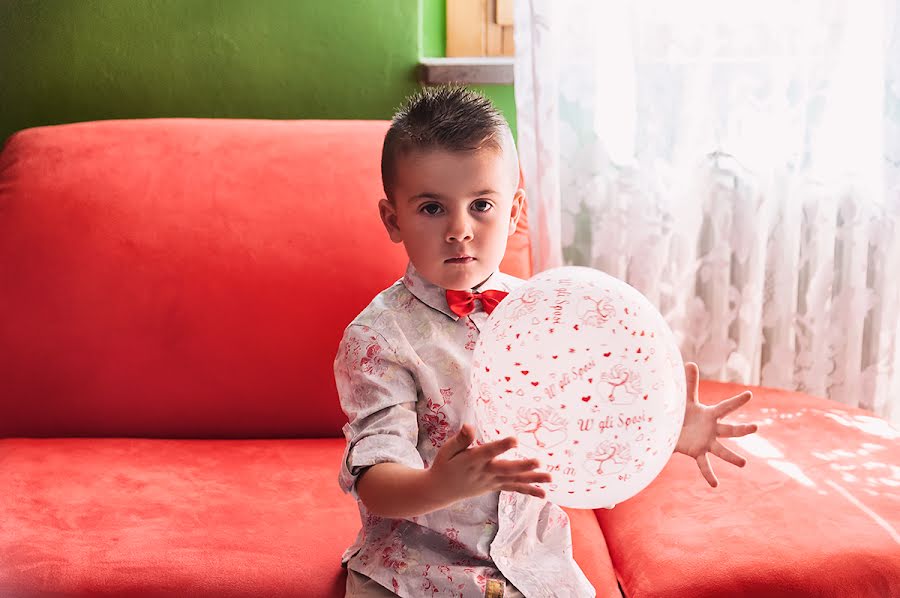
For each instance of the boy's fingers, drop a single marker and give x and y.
(534, 477)
(460, 441)
(707, 470)
(726, 454)
(524, 489)
(692, 378)
(493, 449)
(506, 467)
(735, 430)
(729, 405)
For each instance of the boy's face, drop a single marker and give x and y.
(453, 212)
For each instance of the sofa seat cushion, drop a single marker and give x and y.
(134, 517)
(591, 553)
(200, 518)
(815, 512)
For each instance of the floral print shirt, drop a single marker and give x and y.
(402, 374)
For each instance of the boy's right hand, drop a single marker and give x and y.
(461, 472)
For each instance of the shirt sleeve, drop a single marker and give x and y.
(378, 395)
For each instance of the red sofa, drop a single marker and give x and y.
(172, 293)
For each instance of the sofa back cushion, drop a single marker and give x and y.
(187, 277)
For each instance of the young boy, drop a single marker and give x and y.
(441, 515)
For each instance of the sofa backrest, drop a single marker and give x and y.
(187, 278)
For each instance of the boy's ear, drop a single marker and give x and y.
(517, 203)
(388, 212)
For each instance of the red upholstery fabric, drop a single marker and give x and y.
(592, 554)
(199, 518)
(800, 520)
(187, 278)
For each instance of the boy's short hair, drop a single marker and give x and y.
(445, 117)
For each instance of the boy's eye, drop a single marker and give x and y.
(432, 209)
(482, 205)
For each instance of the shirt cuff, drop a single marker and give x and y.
(371, 450)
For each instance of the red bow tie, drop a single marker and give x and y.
(462, 303)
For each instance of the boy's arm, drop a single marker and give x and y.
(458, 472)
(396, 491)
(378, 394)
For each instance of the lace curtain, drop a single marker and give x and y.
(736, 162)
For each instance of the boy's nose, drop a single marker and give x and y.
(459, 230)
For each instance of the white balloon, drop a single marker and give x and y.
(582, 369)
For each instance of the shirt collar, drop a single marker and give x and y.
(435, 297)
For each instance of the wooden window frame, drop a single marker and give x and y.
(479, 45)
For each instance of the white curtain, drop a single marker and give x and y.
(738, 163)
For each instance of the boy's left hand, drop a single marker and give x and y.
(702, 428)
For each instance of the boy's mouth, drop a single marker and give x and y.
(462, 259)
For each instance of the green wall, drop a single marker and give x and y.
(67, 61)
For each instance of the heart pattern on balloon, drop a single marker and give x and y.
(598, 399)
